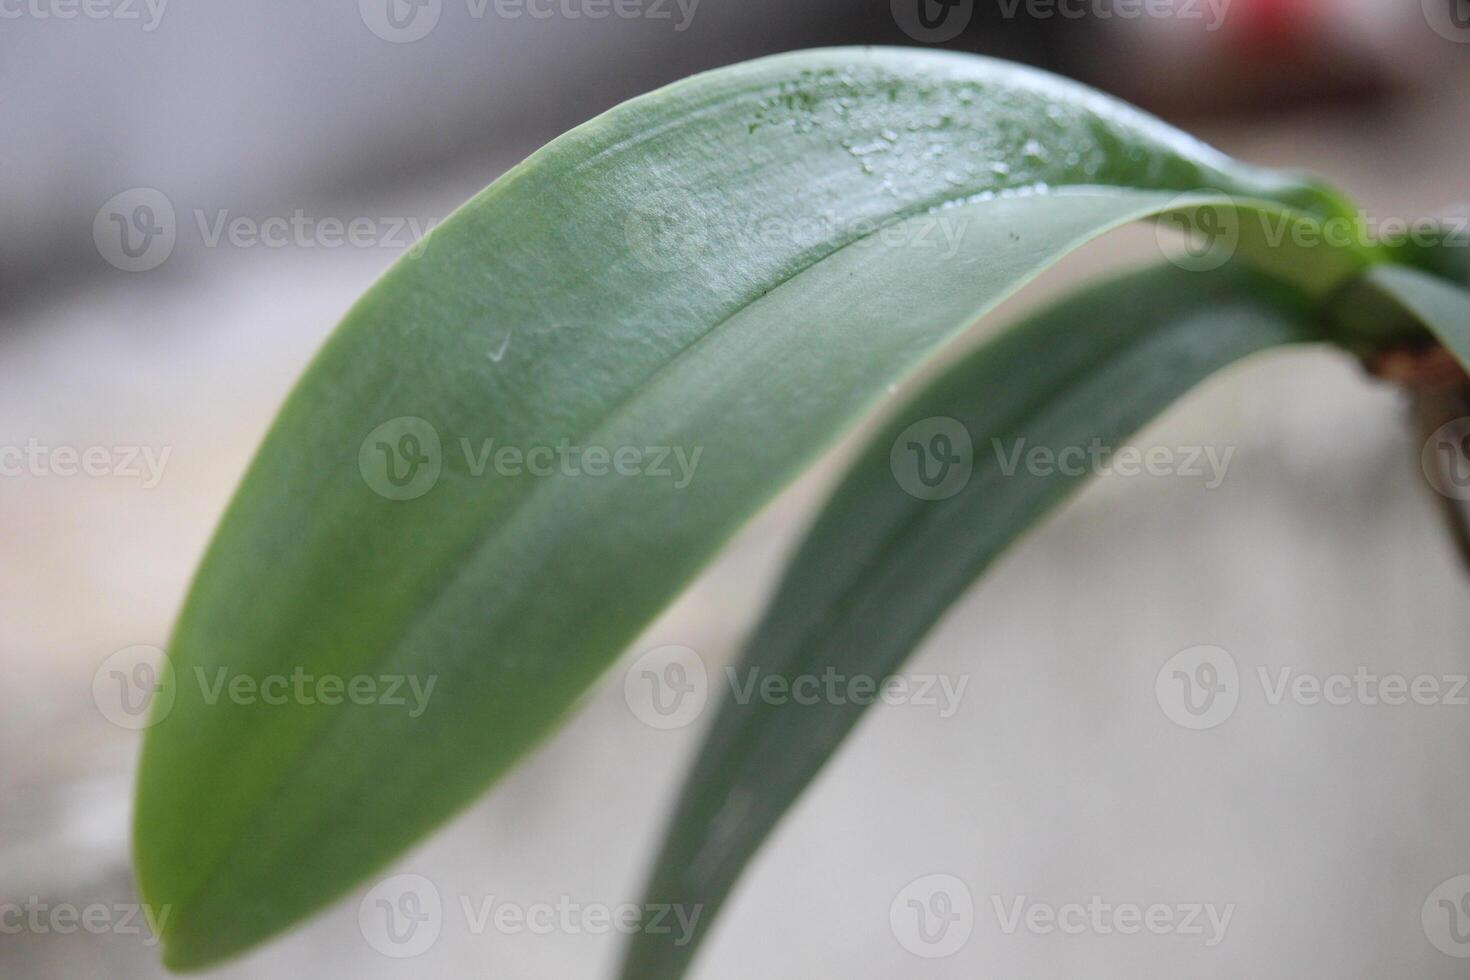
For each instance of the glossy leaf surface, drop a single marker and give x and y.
(535, 428)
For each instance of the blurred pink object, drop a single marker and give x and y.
(1234, 54)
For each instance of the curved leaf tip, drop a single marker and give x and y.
(732, 269)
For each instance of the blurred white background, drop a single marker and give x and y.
(1325, 828)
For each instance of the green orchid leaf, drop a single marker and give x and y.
(1442, 307)
(933, 499)
(535, 429)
